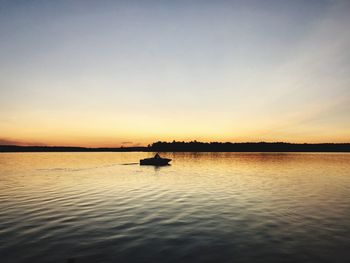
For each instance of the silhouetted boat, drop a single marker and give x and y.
(156, 160)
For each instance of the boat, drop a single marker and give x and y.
(156, 161)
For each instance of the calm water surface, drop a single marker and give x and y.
(205, 207)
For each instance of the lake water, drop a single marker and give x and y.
(205, 207)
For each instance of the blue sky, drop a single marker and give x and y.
(104, 72)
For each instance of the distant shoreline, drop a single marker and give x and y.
(193, 147)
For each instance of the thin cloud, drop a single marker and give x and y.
(4, 141)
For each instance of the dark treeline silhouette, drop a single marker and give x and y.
(194, 146)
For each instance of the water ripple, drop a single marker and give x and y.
(220, 207)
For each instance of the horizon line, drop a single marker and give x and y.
(171, 142)
(193, 146)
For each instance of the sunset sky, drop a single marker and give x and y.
(111, 73)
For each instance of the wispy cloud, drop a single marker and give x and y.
(4, 141)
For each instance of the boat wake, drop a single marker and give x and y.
(69, 169)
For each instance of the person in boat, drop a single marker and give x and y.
(157, 156)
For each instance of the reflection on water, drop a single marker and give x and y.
(205, 207)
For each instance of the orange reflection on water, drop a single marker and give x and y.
(106, 201)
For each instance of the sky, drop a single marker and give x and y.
(112, 73)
